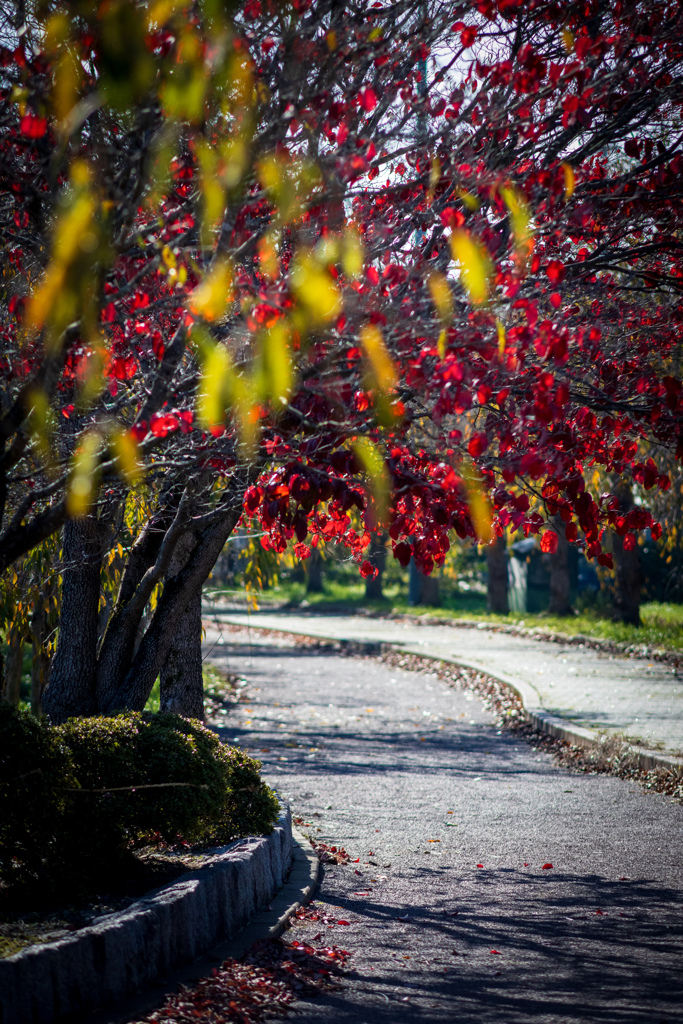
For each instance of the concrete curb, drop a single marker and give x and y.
(127, 951)
(553, 725)
(268, 924)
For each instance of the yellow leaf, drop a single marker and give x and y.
(212, 190)
(126, 453)
(475, 265)
(331, 40)
(40, 424)
(480, 508)
(41, 302)
(442, 298)
(352, 254)
(277, 363)
(375, 468)
(568, 180)
(380, 361)
(441, 343)
(567, 39)
(235, 156)
(470, 201)
(82, 482)
(213, 294)
(161, 10)
(268, 254)
(434, 177)
(501, 340)
(315, 290)
(520, 220)
(215, 386)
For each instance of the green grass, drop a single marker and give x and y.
(662, 624)
(216, 688)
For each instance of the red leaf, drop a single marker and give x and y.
(478, 444)
(480, 865)
(556, 300)
(547, 867)
(368, 570)
(33, 127)
(343, 922)
(367, 99)
(549, 542)
(555, 271)
(468, 35)
(497, 952)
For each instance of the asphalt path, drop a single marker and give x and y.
(451, 913)
(639, 698)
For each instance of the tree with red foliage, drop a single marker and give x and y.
(332, 269)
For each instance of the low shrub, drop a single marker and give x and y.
(80, 795)
(35, 775)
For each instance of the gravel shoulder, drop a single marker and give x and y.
(414, 779)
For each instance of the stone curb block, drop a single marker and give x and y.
(126, 951)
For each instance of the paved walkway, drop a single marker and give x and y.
(639, 699)
(447, 908)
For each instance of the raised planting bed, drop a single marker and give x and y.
(124, 952)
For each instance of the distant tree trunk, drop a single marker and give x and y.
(71, 689)
(423, 589)
(377, 556)
(314, 584)
(559, 574)
(181, 682)
(497, 562)
(14, 660)
(628, 579)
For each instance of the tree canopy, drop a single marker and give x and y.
(333, 268)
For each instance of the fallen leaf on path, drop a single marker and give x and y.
(480, 865)
(497, 952)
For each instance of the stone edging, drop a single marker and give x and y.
(577, 735)
(126, 951)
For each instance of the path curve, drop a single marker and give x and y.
(373, 759)
(639, 699)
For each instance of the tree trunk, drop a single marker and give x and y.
(161, 632)
(71, 690)
(377, 556)
(497, 562)
(315, 573)
(182, 685)
(560, 583)
(422, 589)
(628, 579)
(14, 661)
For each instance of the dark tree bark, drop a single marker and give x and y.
(314, 584)
(181, 682)
(422, 589)
(149, 660)
(560, 583)
(628, 577)
(497, 562)
(71, 690)
(377, 556)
